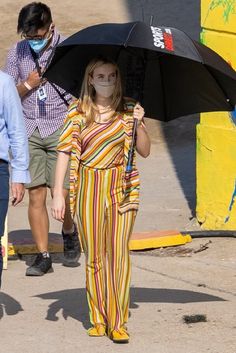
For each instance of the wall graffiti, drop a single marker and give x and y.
(228, 7)
(231, 203)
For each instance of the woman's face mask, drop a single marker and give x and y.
(104, 80)
(104, 89)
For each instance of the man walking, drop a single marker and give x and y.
(44, 108)
(13, 139)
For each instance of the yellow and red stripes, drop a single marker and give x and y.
(105, 234)
(70, 141)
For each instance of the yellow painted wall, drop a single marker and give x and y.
(216, 133)
(219, 15)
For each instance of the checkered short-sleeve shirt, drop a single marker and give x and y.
(48, 116)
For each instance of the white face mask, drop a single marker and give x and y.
(104, 89)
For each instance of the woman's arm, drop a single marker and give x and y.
(58, 202)
(143, 143)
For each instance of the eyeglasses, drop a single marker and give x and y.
(37, 37)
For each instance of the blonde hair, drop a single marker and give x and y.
(87, 95)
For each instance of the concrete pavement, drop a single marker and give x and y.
(49, 314)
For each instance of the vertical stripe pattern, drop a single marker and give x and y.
(105, 236)
(105, 199)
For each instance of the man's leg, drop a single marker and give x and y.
(39, 224)
(72, 248)
(68, 221)
(38, 217)
(37, 212)
(4, 198)
(1, 263)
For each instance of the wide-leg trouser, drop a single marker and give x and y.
(105, 236)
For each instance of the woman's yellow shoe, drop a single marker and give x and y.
(98, 330)
(119, 336)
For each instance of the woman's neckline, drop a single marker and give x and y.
(109, 121)
(105, 122)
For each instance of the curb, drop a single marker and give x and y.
(23, 243)
(157, 239)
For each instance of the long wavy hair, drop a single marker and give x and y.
(86, 102)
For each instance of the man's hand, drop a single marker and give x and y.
(34, 79)
(18, 191)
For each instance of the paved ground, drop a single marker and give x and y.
(49, 314)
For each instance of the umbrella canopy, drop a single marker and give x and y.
(168, 72)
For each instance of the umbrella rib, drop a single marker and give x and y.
(222, 89)
(131, 30)
(196, 50)
(163, 92)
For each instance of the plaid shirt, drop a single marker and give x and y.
(48, 116)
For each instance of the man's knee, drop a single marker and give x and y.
(37, 196)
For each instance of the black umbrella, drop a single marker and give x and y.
(171, 74)
(168, 72)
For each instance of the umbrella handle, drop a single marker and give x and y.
(131, 150)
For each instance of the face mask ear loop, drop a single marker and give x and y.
(51, 29)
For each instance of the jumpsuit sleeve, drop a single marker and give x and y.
(70, 134)
(70, 142)
(65, 140)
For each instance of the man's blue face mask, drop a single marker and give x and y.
(39, 42)
(38, 45)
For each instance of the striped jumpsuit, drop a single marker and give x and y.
(105, 219)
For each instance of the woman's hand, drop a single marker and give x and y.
(143, 143)
(58, 207)
(58, 201)
(138, 113)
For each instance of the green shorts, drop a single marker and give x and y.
(43, 157)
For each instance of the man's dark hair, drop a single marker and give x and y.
(32, 17)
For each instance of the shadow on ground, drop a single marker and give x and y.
(9, 305)
(180, 137)
(181, 14)
(73, 302)
(24, 246)
(24, 237)
(57, 258)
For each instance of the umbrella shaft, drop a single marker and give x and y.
(132, 147)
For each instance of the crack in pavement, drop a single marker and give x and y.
(184, 280)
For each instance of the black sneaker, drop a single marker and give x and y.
(40, 266)
(72, 249)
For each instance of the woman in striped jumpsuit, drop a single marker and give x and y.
(96, 138)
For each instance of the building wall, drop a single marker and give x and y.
(216, 133)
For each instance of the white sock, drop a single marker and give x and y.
(45, 254)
